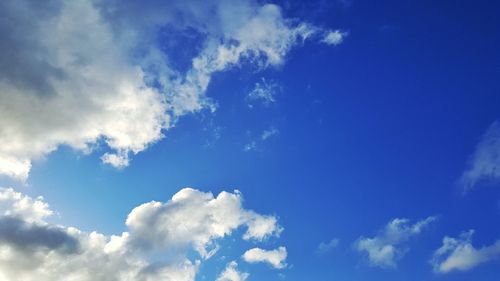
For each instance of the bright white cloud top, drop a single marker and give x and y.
(276, 258)
(105, 80)
(389, 246)
(458, 254)
(33, 249)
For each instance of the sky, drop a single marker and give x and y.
(249, 140)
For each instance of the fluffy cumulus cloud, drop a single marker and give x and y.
(14, 204)
(154, 247)
(69, 82)
(485, 162)
(196, 219)
(385, 249)
(276, 258)
(231, 273)
(459, 254)
(93, 75)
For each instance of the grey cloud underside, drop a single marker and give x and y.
(28, 237)
(22, 60)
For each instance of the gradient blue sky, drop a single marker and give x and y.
(396, 121)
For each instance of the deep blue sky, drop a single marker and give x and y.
(381, 126)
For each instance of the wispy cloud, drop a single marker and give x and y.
(389, 246)
(213, 133)
(250, 146)
(264, 92)
(264, 136)
(485, 162)
(327, 247)
(459, 254)
(271, 132)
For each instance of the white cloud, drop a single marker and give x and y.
(231, 273)
(385, 249)
(71, 85)
(485, 162)
(324, 248)
(105, 80)
(262, 227)
(263, 92)
(276, 258)
(15, 204)
(116, 160)
(460, 254)
(155, 246)
(334, 37)
(197, 219)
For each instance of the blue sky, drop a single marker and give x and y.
(361, 137)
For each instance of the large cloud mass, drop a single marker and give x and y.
(89, 72)
(155, 247)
